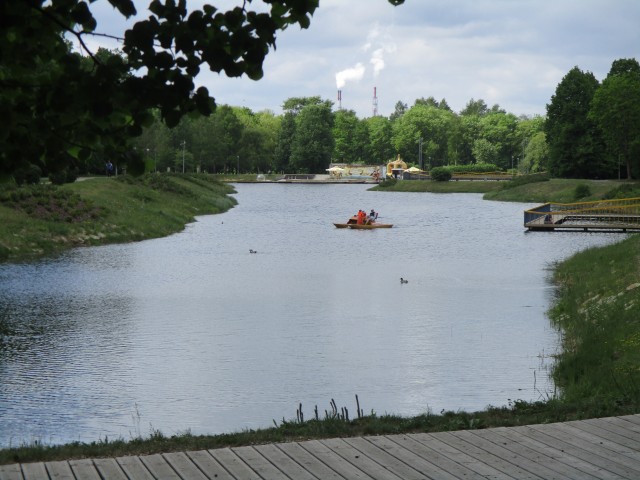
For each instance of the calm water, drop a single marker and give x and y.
(193, 332)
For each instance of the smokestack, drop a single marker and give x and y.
(375, 102)
(339, 99)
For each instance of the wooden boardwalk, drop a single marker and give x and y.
(607, 448)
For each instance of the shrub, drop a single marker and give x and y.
(29, 175)
(440, 174)
(474, 168)
(582, 190)
(64, 176)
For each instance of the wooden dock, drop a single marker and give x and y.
(607, 448)
(618, 215)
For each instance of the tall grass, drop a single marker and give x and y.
(598, 312)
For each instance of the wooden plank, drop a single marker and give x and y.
(359, 460)
(433, 456)
(108, 468)
(575, 468)
(258, 463)
(59, 470)
(34, 471)
(285, 463)
(333, 460)
(159, 467)
(182, 464)
(10, 472)
(620, 423)
(84, 469)
(600, 446)
(632, 418)
(433, 441)
(605, 463)
(485, 441)
(397, 459)
(233, 464)
(310, 463)
(209, 465)
(410, 459)
(631, 442)
(512, 470)
(134, 468)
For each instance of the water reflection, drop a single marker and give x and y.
(194, 332)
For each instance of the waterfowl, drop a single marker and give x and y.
(402, 280)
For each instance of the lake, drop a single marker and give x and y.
(194, 333)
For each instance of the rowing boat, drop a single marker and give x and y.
(353, 223)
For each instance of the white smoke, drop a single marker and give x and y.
(354, 74)
(379, 42)
(377, 60)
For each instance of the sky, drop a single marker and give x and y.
(513, 53)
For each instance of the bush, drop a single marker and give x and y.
(441, 174)
(64, 176)
(474, 168)
(582, 190)
(29, 175)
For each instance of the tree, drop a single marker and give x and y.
(380, 147)
(616, 110)
(536, 154)
(431, 124)
(499, 129)
(475, 107)
(45, 86)
(576, 147)
(344, 135)
(313, 142)
(399, 111)
(282, 154)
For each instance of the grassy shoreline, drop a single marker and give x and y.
(596, 308)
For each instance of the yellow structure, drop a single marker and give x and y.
(396, 167)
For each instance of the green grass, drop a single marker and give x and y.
(422, 186)
(530, 188)
(122, 210)
(598, 309)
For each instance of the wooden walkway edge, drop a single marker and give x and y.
(606, 448)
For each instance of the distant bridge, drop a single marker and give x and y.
(604, 215)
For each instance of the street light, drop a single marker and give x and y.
(184, 143)
(238, 164)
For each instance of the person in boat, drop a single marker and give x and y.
(373, 215)
(361, 217)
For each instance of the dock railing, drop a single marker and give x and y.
(619, 214)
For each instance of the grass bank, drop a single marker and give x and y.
(597, 309)
(528, 188)
(43, 220)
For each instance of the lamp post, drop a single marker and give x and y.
(184, 143)
(238, 165)
(420, 152)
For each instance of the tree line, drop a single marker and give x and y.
(591, 130)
